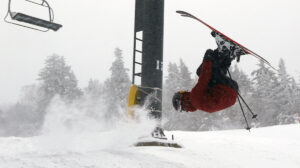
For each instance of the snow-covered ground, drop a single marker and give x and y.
(277, 146)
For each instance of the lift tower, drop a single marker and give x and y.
(148, 52)
(147, 75)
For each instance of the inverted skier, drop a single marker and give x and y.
(214, 90)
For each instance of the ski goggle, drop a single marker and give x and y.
(178, 101)
(181, 100)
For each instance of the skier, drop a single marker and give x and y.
(214, 91)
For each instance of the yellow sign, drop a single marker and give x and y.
(133, 99)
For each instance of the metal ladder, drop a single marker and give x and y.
(135, 63)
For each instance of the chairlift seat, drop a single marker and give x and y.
(33, 22)
(36, 21)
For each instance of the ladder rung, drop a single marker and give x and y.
(138, 74)
(138, 39)
(139, 51)
(138, 63)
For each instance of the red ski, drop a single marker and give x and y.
(246, 50)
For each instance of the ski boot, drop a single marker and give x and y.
(227, 48)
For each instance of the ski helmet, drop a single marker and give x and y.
(178, 100)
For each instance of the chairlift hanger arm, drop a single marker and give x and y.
(9, 12)
(51, 13)
(41, 4)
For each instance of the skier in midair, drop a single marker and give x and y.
(214, 91)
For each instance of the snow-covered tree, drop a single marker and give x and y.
(2, 122)
(31, 95)
(26, 117)
(244, 82)
(58, 78)
(23, 118)
(173, 79)
(263, 97)
(94, 89)
(286, 95)
(171, 86)
(185, 80)
(117, 86)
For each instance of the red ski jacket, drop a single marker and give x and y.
(209, 99)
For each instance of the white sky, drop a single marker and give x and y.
(93, 28)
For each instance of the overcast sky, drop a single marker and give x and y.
(93, 28)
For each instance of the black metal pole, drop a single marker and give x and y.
(152, 69)
(149, 18)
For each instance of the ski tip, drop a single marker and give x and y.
(182, 13)
(179, 11)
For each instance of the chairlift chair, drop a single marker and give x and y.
(45, 25)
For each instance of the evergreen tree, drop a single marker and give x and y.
(169, 88)
(263, 96)
(285, 97)
(58, 78)
(185, 80)
(244, 82)
(23, 118)
(173, 79)
(94, 89)
(117, 86)
(2, 123)
(26, 117)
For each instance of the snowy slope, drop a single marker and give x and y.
(277, 146)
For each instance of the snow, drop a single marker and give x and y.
(277, 146)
